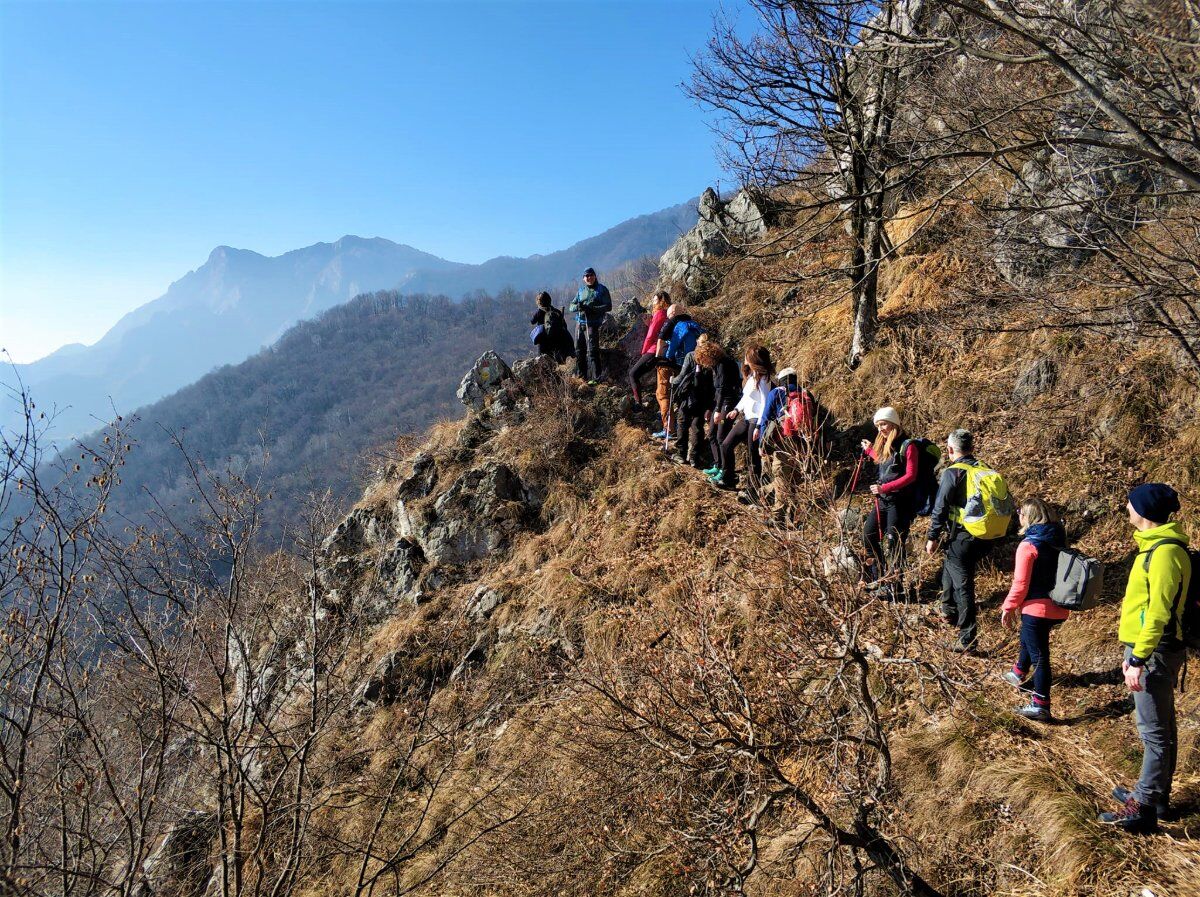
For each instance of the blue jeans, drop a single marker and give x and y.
(1035, 654)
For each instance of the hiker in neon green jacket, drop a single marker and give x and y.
(1151, 631)
(1149, 611)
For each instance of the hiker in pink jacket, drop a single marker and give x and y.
(1029, 599)
(646, 363)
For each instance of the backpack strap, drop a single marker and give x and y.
(1175, 623)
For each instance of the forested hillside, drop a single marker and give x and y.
(322, 407)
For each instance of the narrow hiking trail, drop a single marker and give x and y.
(1091, 745)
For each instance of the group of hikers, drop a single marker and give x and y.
(709, 404)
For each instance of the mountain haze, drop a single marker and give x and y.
(239, 301)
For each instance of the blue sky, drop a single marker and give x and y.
(135, 137)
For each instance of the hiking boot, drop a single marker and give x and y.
(1011, 677)
(677, 458)
(1133, 818)
(661, 434)
(1122, 795)
(961, 647)
(1035, 711)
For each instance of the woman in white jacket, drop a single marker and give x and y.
(741, 424)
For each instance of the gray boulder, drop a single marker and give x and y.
(400, 571)
(483, 381)
(476, 655)
(480, 511)
(181, 863)
(533, 371)
(723, 227)
(1034, 380)
(484, 603)
(399, 671)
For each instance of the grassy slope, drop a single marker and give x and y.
(985, 803)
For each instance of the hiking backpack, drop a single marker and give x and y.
(989, 507)
(1078, 580)
(925, 489)
(800, 415)
(683, 340)
(1191, 601)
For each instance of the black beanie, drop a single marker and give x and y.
(1154, 501)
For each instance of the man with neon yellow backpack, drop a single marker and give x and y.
(972, 510)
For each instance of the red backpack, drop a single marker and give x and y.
(800, 417)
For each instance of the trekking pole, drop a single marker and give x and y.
(667, 428)
(853, 483)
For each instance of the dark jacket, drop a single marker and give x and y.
(727, 385)
(591, 304)
(692, 388)
(556, 339)
(952, 493)
(1048, 538)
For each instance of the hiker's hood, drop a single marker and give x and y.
(1045, 534)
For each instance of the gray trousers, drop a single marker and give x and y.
(1154, 714)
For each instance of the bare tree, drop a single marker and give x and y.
(729, 727)
(810, 104)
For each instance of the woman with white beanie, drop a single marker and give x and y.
(891, 514)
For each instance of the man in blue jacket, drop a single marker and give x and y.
(590, 305)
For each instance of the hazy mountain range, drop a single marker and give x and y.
(238, 302)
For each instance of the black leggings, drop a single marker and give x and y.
(887, 522)
(739, 431)
(643, 366)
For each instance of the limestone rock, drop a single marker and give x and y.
(536, 371)
(475, 656)
(180, 865)
(1035, 380)
(483, 603)
(349, 536)
(400, 571)
(483, 380)
(723, 227)
(480, 511)
(399, 671)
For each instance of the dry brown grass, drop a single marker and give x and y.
(984, 803)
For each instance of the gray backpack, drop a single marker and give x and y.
(1078, 580)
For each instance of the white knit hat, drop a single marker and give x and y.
(785, 373)
(888, 413)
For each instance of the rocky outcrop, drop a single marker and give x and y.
(723, 227)
(483, 603)
(483, 381)
(399, 671)
(180, 865)
(480, 511)
(400, 569)
(1034, 380)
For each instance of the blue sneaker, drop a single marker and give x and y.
(661, 434)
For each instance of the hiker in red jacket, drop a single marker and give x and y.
(646, 363)
(890, 514)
